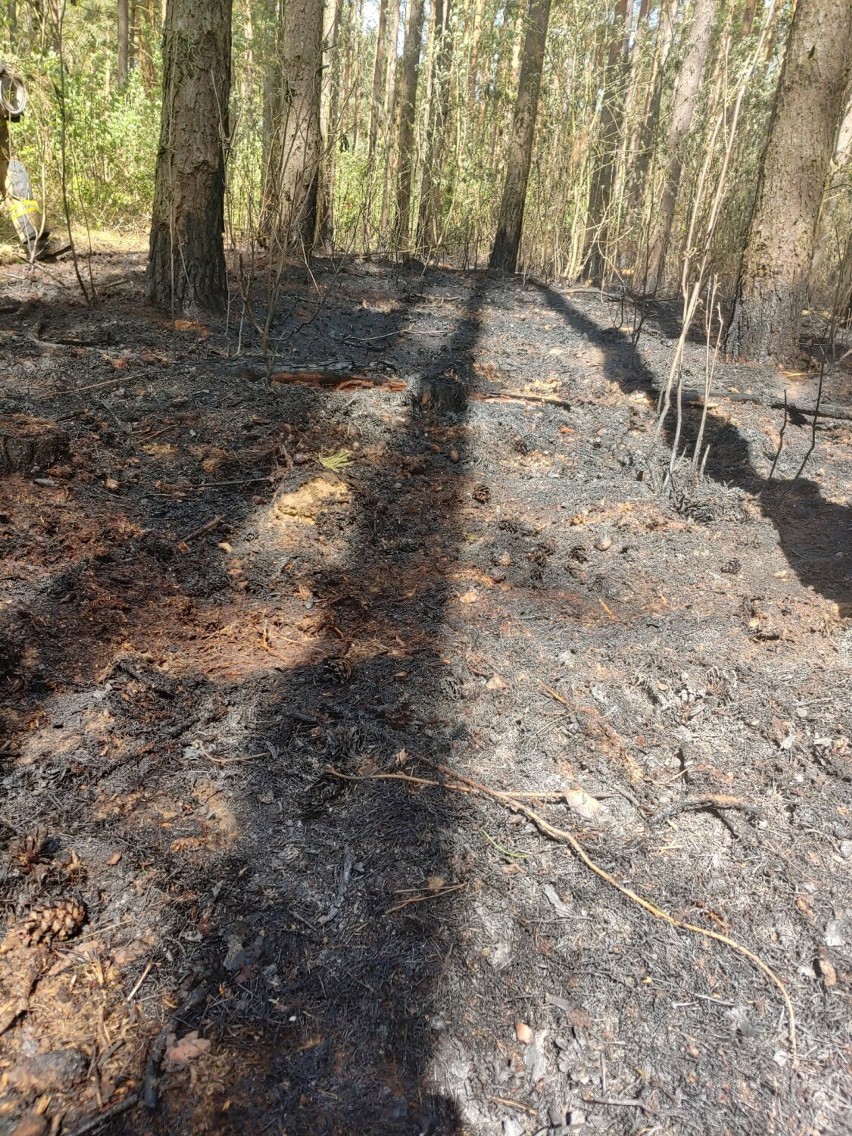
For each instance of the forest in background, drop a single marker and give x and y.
(652, 124)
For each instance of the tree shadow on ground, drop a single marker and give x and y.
(332, 1009)
(814, 534)
(311, 945)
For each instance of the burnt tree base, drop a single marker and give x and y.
(29, 444)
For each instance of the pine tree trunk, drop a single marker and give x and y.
(429, 222)
(145, 36)
(642, 147)
(55, 16)
(390, 82)
(346, 36)
(123, 41)
(504, 90)
(186, 263)
(329, 125)
(132, 36)
(694, 58)
(635, 99)
(518, 39)
(598, 240)
(774, 271)
(828, 240)
(389, 164)
(507, 243)
(473, 69)
(405, 135)
(292, 178)
(353, 90)
(379, 70)
(748, 16)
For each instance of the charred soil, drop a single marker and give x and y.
(259, 638)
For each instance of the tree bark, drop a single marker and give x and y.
(405, 134)
(641, 145)
(473, 66)
(507, 243)
(147, 29)
(379, 70)
(685, 99)
(749, 11)
(186, 263)
(597, 243)
(329, 122)
(292, 178)
(776, 262)
(389, 164)
(123, 41)
(429, 221)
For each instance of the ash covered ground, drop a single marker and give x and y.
(263, 643)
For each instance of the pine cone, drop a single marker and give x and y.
(337, 668)
(482, 494)
(50, 922)
(29, 851)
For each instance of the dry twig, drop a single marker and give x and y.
(424, 896)
(95, 1122)
(707, 801)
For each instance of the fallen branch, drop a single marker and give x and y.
(203, 530)
(108, 1114)
(829, 410)
(780, 438)
(519, 396)
(137, 985)
(619, 1102)
(459, 782)
(816, 414)
(708, 801)
(334, 380)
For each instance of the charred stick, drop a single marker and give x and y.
(708, 801)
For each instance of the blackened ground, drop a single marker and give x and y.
(237, 607)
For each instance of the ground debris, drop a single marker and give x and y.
(242, 624)
(54, 1072)
(48, 923)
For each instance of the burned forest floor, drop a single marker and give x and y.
(315, 692)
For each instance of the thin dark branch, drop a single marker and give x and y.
(780, 438)
(812, 446)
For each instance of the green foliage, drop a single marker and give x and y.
(110, 133)
(351, 171)
(112, 145)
